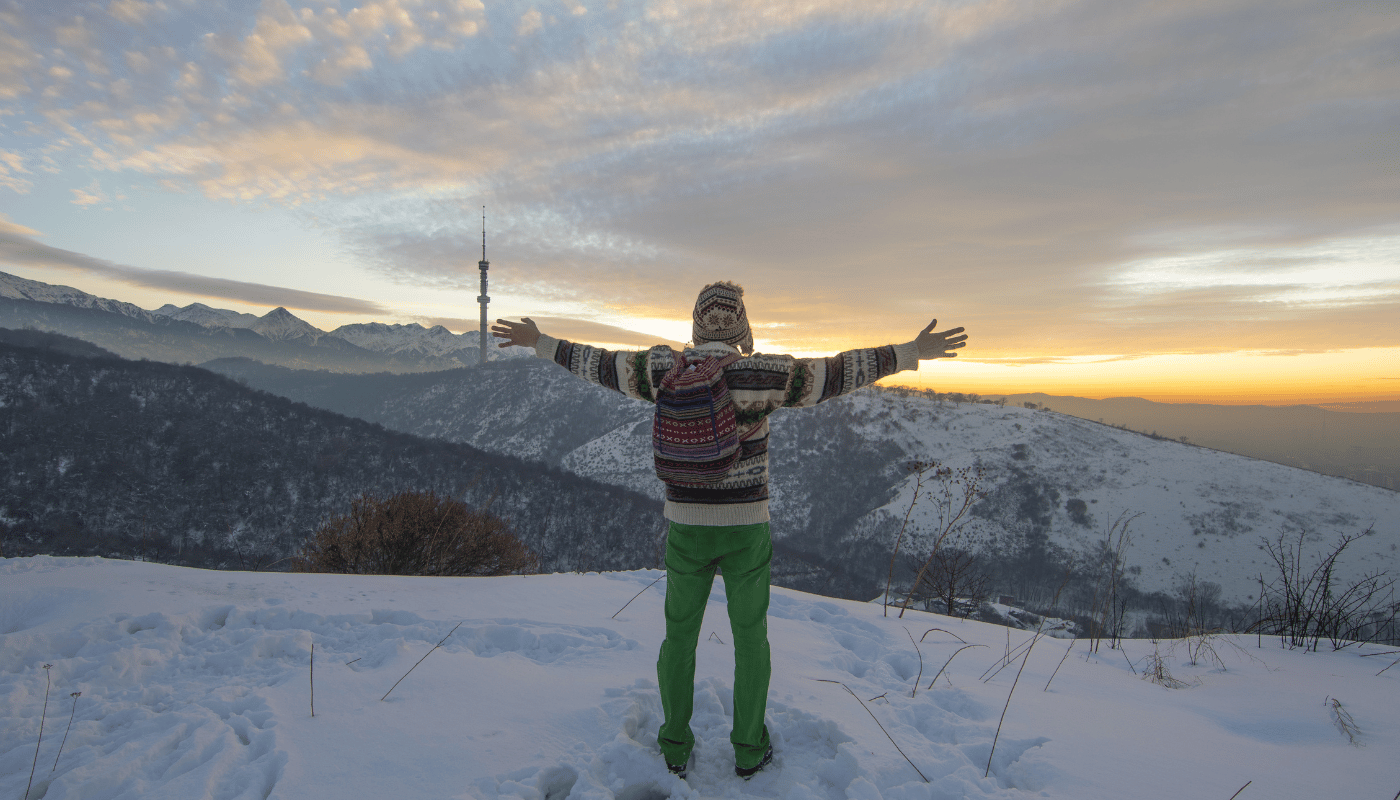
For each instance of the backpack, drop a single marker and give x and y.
(695, 438)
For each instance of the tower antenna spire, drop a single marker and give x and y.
(483, 298)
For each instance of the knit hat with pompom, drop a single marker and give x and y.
(720, 317)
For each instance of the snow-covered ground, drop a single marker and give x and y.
(197, 684)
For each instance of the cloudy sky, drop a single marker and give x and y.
(1179, 200)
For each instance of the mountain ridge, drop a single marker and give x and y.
(198, 333)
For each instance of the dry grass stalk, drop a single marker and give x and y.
(1004, 708)
(634, 597)
(75, 696)
(312, 672)
(920, 676)
(918, 468)
(949, 661)
(1241, 789)
(1061, 664)
(420, 661)
(1393, 663)
(1344, 722)
(45, 713)
(1039, 633)
(877, 722)
(1007, 658)
(950, 633)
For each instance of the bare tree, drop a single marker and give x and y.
(955, 579)
(953, 494)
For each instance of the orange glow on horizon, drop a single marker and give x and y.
(1243, 378)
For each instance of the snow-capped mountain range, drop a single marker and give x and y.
(217, 332)
(17, 288)
(200, 314)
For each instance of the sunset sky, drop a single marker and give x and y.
(1176, 200)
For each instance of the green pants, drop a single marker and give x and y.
(744, 553)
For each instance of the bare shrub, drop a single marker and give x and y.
(1186, 620)
(1303, 606)
(415, 533)
(1159, 673)
(1109, 606)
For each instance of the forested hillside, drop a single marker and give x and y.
(103, 456)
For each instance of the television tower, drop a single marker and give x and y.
(483, 299)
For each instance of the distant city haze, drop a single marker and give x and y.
(1185, 202)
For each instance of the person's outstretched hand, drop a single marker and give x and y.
(939, 345)
(518, 334)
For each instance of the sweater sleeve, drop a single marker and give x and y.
(631, 372)
(815, 380)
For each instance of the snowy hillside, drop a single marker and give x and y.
(840, 485)
(199, 684)
(1202, 510)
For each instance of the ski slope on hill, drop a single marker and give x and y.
(198, 684)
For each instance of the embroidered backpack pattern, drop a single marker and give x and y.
(695, 438)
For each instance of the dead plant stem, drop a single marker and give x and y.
(1004, 708)
(634, 597)
(949, 661)
(920, 676)
(42, 715)
(420, 661)
(75, 696)
(955, 636)
(1061, 664)
(877, 722)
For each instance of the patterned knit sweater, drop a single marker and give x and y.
(758, 385)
